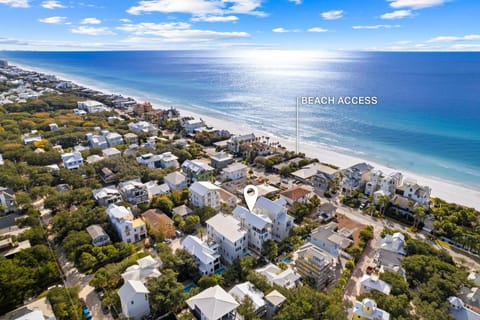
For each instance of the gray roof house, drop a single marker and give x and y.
(98, 235)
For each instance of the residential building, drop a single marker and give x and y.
(356, 177)
(284, 278)
(274, 301)
(53, 126)
(402, 204)
(316, 263)
(190, 125)
(130, 138)
(98, 235)
(389, 261)
(154, 161)
(235, 142)
(96, 141)
(394, 243)
(94, 158)
(206, 256)
(235, 171)
(169, 160)
(107, 176)
(221, 160)
(30, 138)
(196, 170)
(113, 138)
(247, 289)
(282, 222)
(182, 210)
(372, 282)
(227, 199)
(326, 212)
(416, 193)
(155, 189)
(145, 268)
(259, 227)
(129, 228)
(459, 312)
(213, 304)
(111, 153)
(327, 238)
(296, 194)
(176, 180)
(134, 300)
(159, 223)
(133, 191)
(378, 181)
(143, 127)
(7, 200)
(228, 233)
(203, 194)
(368, 310)
(72, 160)
(92, 106)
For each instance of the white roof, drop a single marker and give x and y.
(197, 165)
(199, 249)
(119, 212)
(111, 151)
(145, 268)
(394, 243)
(275, 298)
(105, 192)
(359, 309)
(285, 278)
(175, 178)
(227, 226)
(247, 289)
(256, 220)
(34, 315)
(131, 288)
(213, 302)
(202, 187)
(236, 166)
(373, 282)
(71, 156)
(269, 205)
(220, 156)
(91, 103)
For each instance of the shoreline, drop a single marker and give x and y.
(450, 191)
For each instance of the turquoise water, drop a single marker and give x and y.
(287, 260)
(426, 120)
(189, 288)
(220, 271)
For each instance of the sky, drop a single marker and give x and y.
(383, 25)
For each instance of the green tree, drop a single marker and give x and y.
(419, 214)
(210, 281)
(65, 303)
(166, 293)
(270, 250)
(247, 309)
(163, 203)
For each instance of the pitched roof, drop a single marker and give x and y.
(159, 222)
(95, 231)
(295, 193)
(199, 249)
(248, 289)
(373, 282)
(213, 302)
(175, 178)
(202, 187)
(227, 226)
(234, 167)
(182, 210)
(130, 288)
(256, 220)
(275, 298)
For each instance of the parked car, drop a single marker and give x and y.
(86, 311)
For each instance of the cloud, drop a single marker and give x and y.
(332, 14)
(296, 1)
(91, 21)
(466, 47)
(54, 20)
(199, 8)
(415, 4)
(176, 32)
(468, 37)
(317, 29)
(6, 41)
(124, 20)
(283, 30)
(52, 4)
(398, 14)
(93, 31)
(16, 3)
(215, 19)
(376, 26)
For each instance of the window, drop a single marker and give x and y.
(132, 302)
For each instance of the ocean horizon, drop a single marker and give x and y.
(426, 120)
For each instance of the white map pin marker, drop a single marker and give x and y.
(251, 194)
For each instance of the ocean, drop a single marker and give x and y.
(426, 121)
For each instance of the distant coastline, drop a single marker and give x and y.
(448, 190)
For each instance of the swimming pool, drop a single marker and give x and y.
(220, 271)
(189, 288)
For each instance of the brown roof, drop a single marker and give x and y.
(158, 222)
(295, 193)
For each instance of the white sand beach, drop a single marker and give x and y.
(447, 190)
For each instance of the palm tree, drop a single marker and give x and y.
(383, 202)
(419, 213)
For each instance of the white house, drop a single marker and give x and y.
(128, 228)
(143, 127)
(394, 243)
(378, 181)
(98, 235)
(114, 138)
(417, 193)
(207, 257)
(111, 153)
(192, 124)
(7, 199)
(221, 160)
(154, 161)
(247, 289)
(72, 160)
(235, 171)
(107, 195)
(213, 304)
(228, 233)
(259, 227)
(145, 268)
(133, 191)
(134, 299)
(176, 180)
(204, 193)
(372, 282)
(154, 189)
(367, 309)
(282, 222)
(284, 278)
(459, 312)
(97, 141)
(327, 238)
(92, 106)
(234, 143)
